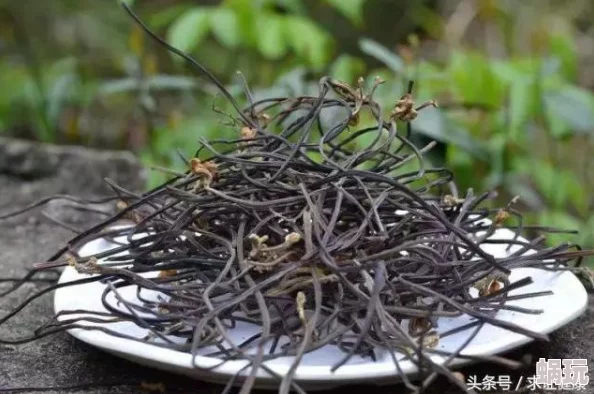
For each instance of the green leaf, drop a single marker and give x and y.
(351, 9)
(514, 70)
(315, 156)
(433, 81)
(550, 67)
(390, 91)
(556, 126)
(246, 12)
(507, 71)
(474, 82)
(61, 90)
(366, 140)
(383, 54)
(347, 68)
(272, 42)
(15, 82)
(522, 106)
(563, 47)
(225, 27)
(457, 157)
(189, 29)
(309, 41)
(574, 106)
(433, 124)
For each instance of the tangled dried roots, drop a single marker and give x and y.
(291, 229)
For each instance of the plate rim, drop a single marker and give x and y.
(144, 351)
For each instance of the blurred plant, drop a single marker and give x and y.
(50, 65)
(518, 124)
(258, 26)
(273, 38)
(512, 115)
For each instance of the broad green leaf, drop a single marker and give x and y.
(60, 92)
(351, 9)
(550, 67)
(522, 164)
(246, 12)
(474, 82)
(309, 41)
(432, 81)
(389, 92)
(563, 47)
(519, 69)
(189, 29)
(556, 125)
(15, 81)
(457, 157)
(315, 156)
(522, 106)
(573, 105)
(347, 68)
(367, 141)
(225, 27)
(383, 54)
(431, 123)
(506, 71)
(272, 42)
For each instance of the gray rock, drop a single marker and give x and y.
(67, 169)
(59, 360)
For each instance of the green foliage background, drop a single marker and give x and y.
(516, 104)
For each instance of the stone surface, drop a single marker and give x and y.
(31, 171)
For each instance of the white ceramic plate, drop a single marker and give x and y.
(568, 302)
